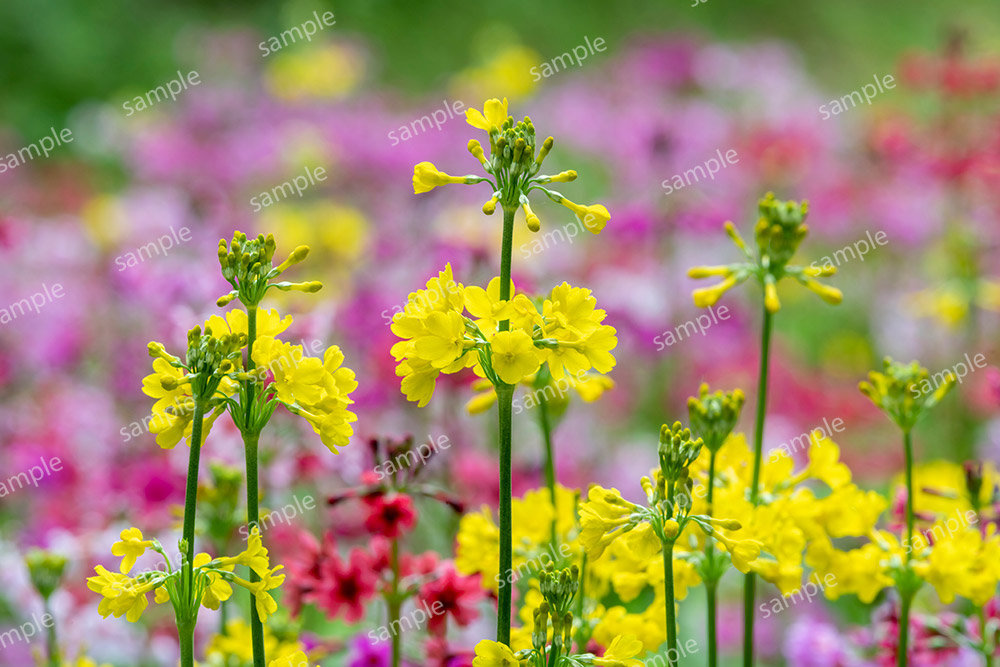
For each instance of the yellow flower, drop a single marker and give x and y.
(492, 116)
(622, 652)
(296, 659)
(706, 297)
(426, 177)
(593, 217)
(132, 546)
(443, 340)
(514, 356)
(297, 378)
(122, 595)
(494, 654)
(217, 589)
(236, 644)
(601, 519)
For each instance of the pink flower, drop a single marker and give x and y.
(347, 586)
(450, 594)
(389, 515)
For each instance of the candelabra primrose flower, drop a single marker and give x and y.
(566, 333)
(778, 233)
(208, 585)
(905, 392)
(512, 169)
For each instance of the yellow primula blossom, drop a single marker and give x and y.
(235, 643)
(295, 659)
(449, 327)
(622, 652)
(494, 654)
(132, 546)
(426, 177)
(316, 389)
(492, 116)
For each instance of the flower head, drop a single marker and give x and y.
(512, 167)
(905, 392)
(779, 230)
(713, 416)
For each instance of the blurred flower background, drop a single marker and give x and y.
(904, 194)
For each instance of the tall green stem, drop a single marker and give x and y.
(906, 597)
(668, 604)
(185, 627)
(505, 400)
(394, 604)
(750, 581)
(51, 643)
(908, 455)
(251, 441)
(902, 650)
(711, 594)
(186, 634)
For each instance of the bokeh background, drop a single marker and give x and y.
(920, 164)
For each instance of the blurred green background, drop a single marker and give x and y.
(56, 54)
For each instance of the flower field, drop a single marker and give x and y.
(632, 341)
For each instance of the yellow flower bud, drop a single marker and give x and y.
(670, 529)
(771, 301)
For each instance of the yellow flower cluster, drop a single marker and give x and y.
(953, 553)
(316, 389)
(794, 516)
(125, 595)
(235, 644)
(448, 327)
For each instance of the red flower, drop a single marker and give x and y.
(347, 586)
(450, 594)
(389, 515)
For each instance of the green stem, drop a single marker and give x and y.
(185, 633)
(750, 580)
(711, 599)
(51, 644)
(668, 603)
(550, 464)
(908, 454)
(185, 628)
(251, 441)
(902, 649)
(393, 604)
(505, 400)
(710, 586)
